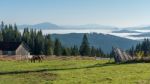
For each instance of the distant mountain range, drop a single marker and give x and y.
(138, 28)
(146, 34)
(105, 41)
(125, 31)
(89, 28)
(47, 25)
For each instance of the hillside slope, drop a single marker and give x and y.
(105, 41)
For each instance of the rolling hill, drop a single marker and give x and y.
(105, 41)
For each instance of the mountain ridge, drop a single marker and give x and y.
(44, 25)
(48, 25)
(104, 41)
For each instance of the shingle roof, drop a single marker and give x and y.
(9, 46)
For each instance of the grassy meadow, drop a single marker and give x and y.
(73, 71)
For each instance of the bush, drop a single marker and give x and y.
(140, 54)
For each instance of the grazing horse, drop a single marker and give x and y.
(34, 58)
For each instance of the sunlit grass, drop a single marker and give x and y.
(73, 72)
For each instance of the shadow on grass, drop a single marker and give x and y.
(44, 70)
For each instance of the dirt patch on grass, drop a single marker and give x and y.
(45, 76)
(48, 76)
(105, 79)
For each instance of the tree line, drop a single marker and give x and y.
(141, 49)
(40, 44)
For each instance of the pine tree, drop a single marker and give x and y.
(85, 48)
(26, 36)
(93, 51)
(48, 45)
(75, 51)
(2, 25)
(1, 28)
(57, 48)
(66, 51)
(146, 47)
(100, 53)
(143, 47)
(17, 34)
(32, 41)
(132, 51)
(1, 36)
(39, 43)
(112, 53)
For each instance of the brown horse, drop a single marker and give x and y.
(35, 58)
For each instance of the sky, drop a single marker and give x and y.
(119, 13)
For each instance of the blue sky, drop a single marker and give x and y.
(120, 13)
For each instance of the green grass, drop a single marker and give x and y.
(73, 72)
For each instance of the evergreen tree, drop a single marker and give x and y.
(100, 53)
(2, 25)
(75, 51)
(112, 53)
(32, 41)
(26, 36)
(142, 47)
(85, 48)
(48, 45)
(1, 36)
(39, 44)
(17, 34)
(138, 48)
(66, 51)
(93, 52)
(146, 47)
(57, 48)
(132, 51)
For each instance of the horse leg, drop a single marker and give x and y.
(39, 59)
(31, 60)
(34, 60)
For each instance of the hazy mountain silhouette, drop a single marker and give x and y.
(125, 31)
(45, 25)
(105, 41)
